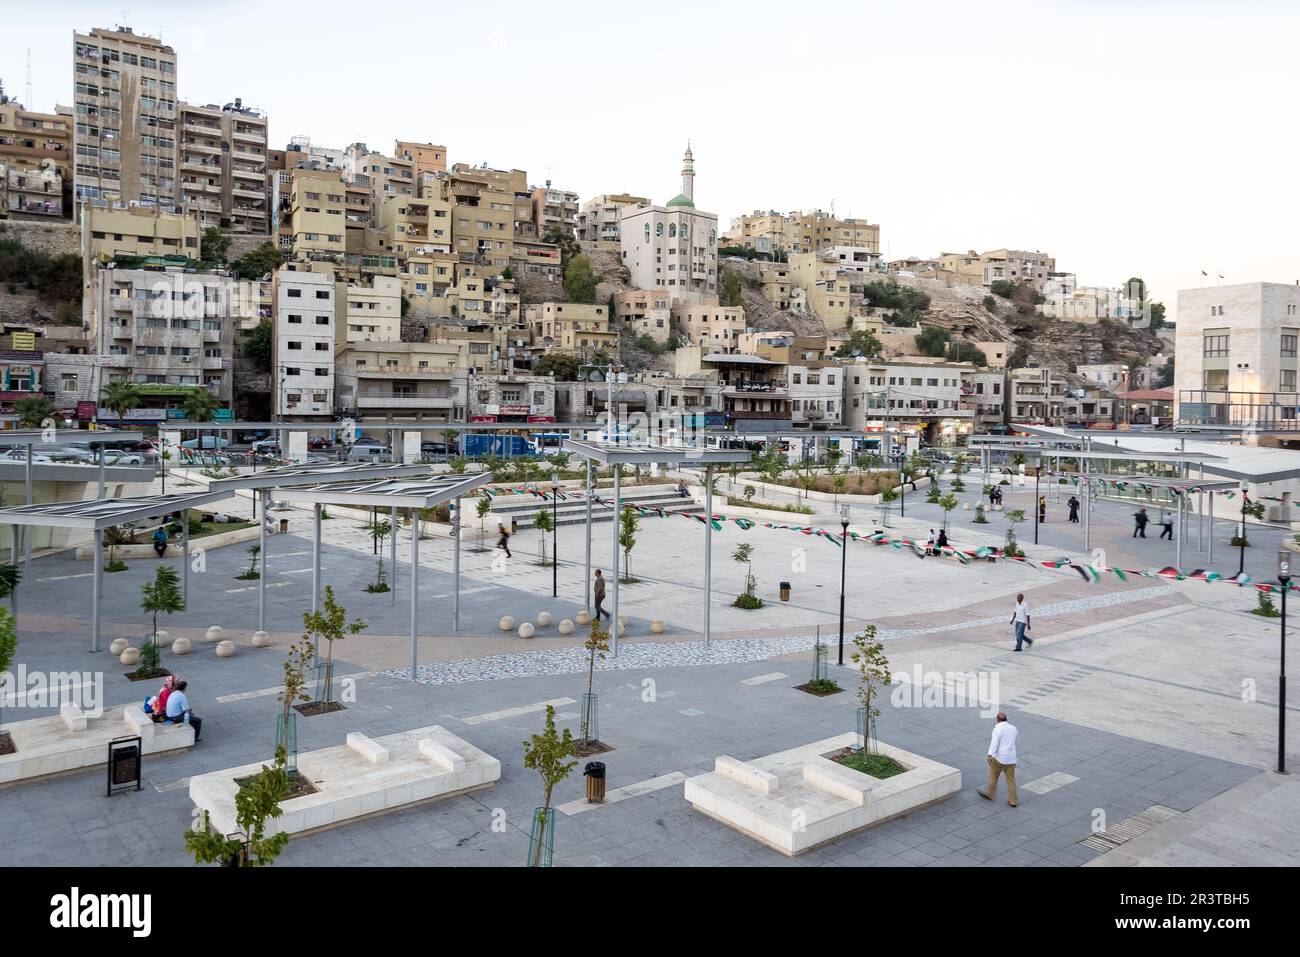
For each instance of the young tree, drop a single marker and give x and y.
(296, 669)
(873, 672)
(1014, 517)
(258, 799)
(628, 524)
(744, 555)
(837, 486)
(542, 522)
(331, 625)
(580, 280)
(749, 493)
(947, 503)
(457, 464)
(163, 594)
(114, 537)
(547, 754)
(252, 572)
(861, 343)
(481, 508)
(597, 644)
(379, 529)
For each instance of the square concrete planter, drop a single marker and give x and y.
(795, 800)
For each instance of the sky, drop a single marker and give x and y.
(1144, 138)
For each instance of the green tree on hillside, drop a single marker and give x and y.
(580, 280)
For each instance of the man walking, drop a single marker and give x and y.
(503, 539)
(599, 592)
(1074, 509)
(1020, 618)
(1166, 526)
(1140, 523)
(1002, 758)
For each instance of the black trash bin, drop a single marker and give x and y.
(284, 525)
(785, 591)
(595, 774)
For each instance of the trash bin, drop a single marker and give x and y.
(785, 591)
(595, 774)
(284, 525)
(514, 526)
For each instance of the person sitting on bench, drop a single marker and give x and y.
(179, 711)
(160, 541)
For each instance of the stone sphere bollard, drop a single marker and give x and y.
(129, 656)
(118, 646)
(544, 620)
(507, 623)
(658, 627)
(214, 633)
(225, 649)
(261, 639)
(526, 629)
(181, 646)
(583, 617)
(566, 627)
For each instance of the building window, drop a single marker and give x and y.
(1287, 380)
(1288, 344)
(1216, 346)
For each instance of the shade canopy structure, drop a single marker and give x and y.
(614, 453)
(17, 438)
(1107, 452)
(294, 476)
(96, 516)
(394, 494)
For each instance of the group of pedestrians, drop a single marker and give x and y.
(1141, 519)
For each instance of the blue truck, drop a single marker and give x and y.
(478, 444)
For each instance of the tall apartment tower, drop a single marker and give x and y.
(222, 158)
(124, 139)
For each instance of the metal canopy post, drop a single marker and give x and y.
(1178, 536)
(415, 587)
(261, 541)
(27, 532)
(618, 505)
(586, 594)
(94, 592)
(315, 563)
(185, 556)
(708, 548)
(392, 554)
(13, 592)
(1211, 541)
(458, 530)
(101, 469)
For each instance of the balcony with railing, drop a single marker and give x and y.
(1256, 411)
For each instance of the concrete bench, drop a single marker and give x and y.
(853, 786)
(74, 719)
(369, 749)
(746, 774)
(443, 757)
(139, 722)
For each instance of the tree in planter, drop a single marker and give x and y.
(457, 464)
(888, 495)
(258, 799)
(542, 522)
(330, 624)
(481, 508)
(597, 644)
(749, 493)
(379, 529)
(806, 476)
(979, 515)
(296, 669)
(1249, 509)
(1017, 459)
(837, 486)
(559, 460)
(833, 457)
(1265, 607)
(947, 503)
(8, 648)
(114, 537)
(932, 495)
(547, 754)
(163, 594)
(744, 555)
(629, 523)
(1014, 517)
(958, 467)
(873, 673)
(252, 572)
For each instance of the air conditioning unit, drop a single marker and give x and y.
(185, 358)
(591, 412)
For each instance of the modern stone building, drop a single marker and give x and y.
(403, 381)
(599, 218)
(306, 333)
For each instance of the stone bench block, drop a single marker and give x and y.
(852, 786)
(444, 758)
(139, 722)
(371, 750)
(74, 719)
(746, 774)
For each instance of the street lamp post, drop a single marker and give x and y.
(844, 552)
(1284, 578)
(1038, 469)
(1241, 539)
(555, 555)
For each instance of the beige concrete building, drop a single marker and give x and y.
(512, 398)
(826, 294)
(815, 382)
(529, 258)
(483, 216)
(673, 248)
(647, 313)
(221, 155)
(575, 328)
(384, 176)
(775, 284)
(1036, 396)
(306, 335)
(402, 381)
(714, 327)
(317, 221)
(35, 163)
(984, 269)
(423, 157)
(930, 398)
(997, 353)
(108, 232)
(801, 232)
(554, 209)
(124, 96)
(599, 218)
(408, 225)
(425, 278)
(371, 312)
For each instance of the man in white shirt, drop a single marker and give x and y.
(1020, 618)
(1002, 758)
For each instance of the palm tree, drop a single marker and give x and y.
(121, 397)
(200, 405)
(33, 410)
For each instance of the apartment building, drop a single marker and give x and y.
(996, 353)
(599, 218)
(1036, 397)
(673, 248)
(483, 217)
(543, 260)
(753, 392)
(409, 225)
(403, 381)
(1012, 265)
(426, 277)
(1235, 356)
(647, 313)
(108, 232)
(124, 105)
(775, 284)
(1108, 375)
(317, 220)
(717, 328)
(825, 292)
(815, 382)
(801, 232)
(574, 328)
(512, 398)
(929, 398)
(170, 330)
(35, 163)
(222, 166)
(384, 176)
(306, 334)
(854, 259)
(554, 210)
(371, 311)
(988, 393)
(423, 157)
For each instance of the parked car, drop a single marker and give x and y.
(20, 456)
(266, 446)
(319, 443)
(367, 440)
(122, 457)
(208, 442)
(433, 448)
(369, 453)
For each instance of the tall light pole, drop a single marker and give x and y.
(1038, 468)
(1241, 539)
(555, 555)
(844, 552)
(1283, 577)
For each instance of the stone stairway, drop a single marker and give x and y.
(573, 510)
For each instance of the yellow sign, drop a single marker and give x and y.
(24, 341)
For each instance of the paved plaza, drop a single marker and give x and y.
(1136, 696)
